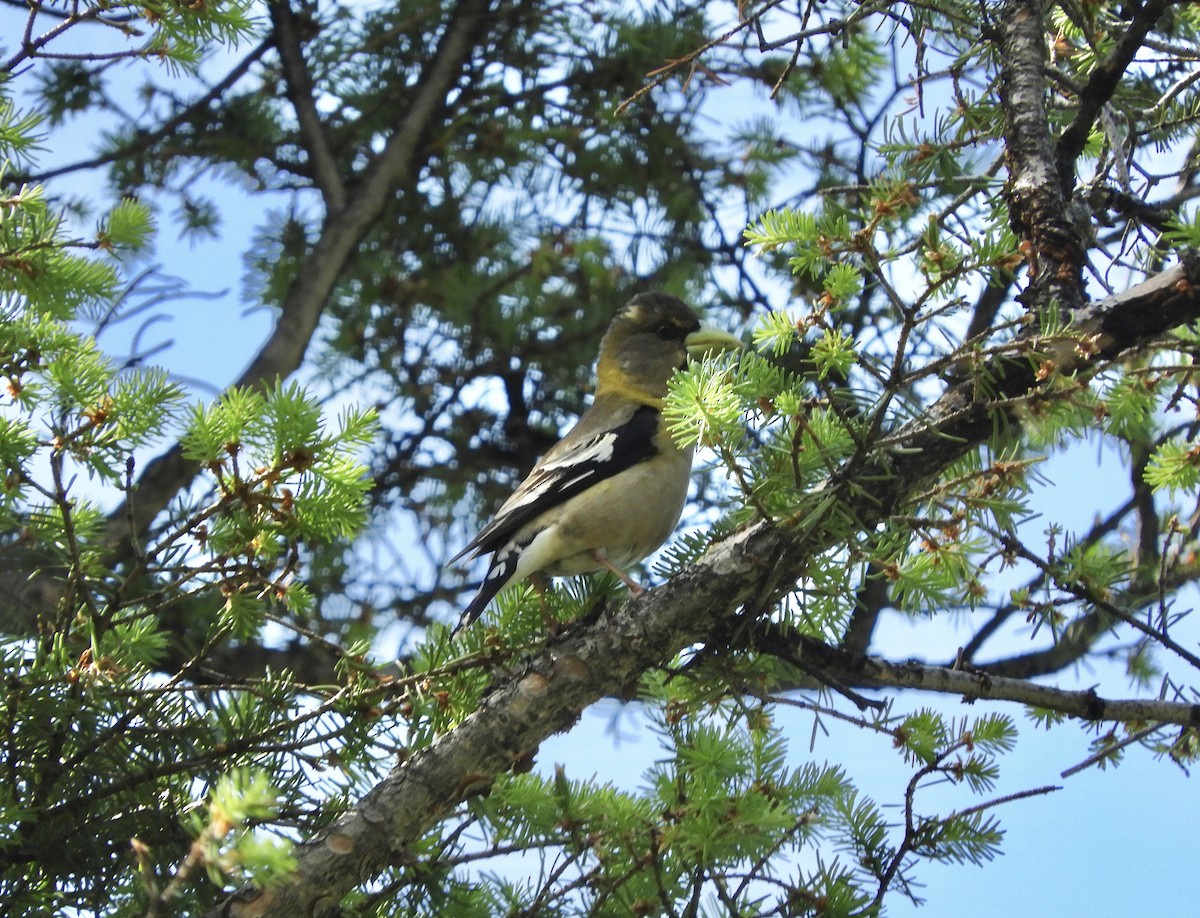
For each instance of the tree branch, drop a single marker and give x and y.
(1101, 85)
(976, 684)
(288, 42)
(1036, 200)
(142, 140)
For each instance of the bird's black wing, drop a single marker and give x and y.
(568, 469)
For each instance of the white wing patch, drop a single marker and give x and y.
(599, 449)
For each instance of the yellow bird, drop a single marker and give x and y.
(612, 490)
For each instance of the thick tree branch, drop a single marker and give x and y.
(1036, 200)
(753, 568)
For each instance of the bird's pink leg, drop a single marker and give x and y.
(635, 588)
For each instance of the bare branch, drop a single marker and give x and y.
(979, 684)
(288, 41)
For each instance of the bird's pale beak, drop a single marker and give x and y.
(709, 340)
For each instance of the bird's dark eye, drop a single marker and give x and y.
(668, 332)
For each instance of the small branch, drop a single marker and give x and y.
(144, 139)
(909, 842)
(288, 42)
(1136, 595)
(1101, 84)
(1086, 705)
(913, 833)
(30, 46)
(1107, 751)
(663, 73)
(1007, 798)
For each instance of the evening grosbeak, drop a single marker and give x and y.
(612, 490)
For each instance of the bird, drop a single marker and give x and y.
(611, 491)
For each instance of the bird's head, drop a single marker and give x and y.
(652, 336)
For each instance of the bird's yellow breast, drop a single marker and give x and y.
(625, 517)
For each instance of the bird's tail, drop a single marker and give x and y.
(498, 575)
